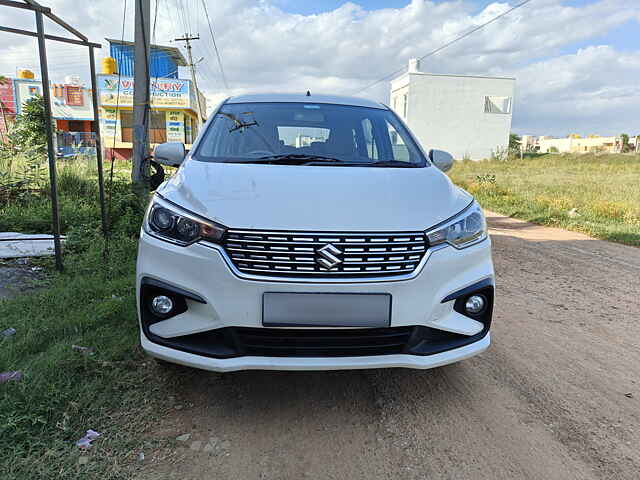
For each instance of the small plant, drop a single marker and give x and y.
(500, 154)
(487, 178)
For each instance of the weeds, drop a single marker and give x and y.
(92, 303)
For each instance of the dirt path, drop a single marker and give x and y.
(557, 396)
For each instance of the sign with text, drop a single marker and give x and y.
(165, 92)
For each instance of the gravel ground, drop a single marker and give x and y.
(557, 396)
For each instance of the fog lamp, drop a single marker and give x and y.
(475, 304)
(162, 304)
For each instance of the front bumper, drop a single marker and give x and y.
(304, 363)
(218, 300)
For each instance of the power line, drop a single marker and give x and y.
(105, 251)
(442, 47)
(213, 39)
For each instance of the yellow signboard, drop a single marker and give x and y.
(165, 92)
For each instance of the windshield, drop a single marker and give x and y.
(309, 133)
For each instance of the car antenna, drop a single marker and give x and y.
(308, 93)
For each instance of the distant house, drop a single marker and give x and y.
(576, 144)
(468, 116)
(71, 108)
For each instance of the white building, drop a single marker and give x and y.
(468, 116)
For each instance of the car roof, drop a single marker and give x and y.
(304, 98)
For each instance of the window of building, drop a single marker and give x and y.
(405, 103)
(188, 132)
(158, 127)
(126, 126)
(495, 104)
(76, 126)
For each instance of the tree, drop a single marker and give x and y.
(30, 127)
(625, 143)
(514, 142)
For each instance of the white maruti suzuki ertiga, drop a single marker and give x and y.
(308, 232)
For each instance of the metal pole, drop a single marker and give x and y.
(44, 72)
(96, 129)
(141, 96)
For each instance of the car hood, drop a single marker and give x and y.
(315, 198)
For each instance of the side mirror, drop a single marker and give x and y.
(171, 153)
(441, 159)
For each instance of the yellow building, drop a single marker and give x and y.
(175, 104)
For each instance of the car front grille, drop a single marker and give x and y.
(274, 342)
(323, 254)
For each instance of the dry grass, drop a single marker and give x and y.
(595, 194)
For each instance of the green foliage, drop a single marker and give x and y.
(29, 131)
(625, 143)
(594, 194)
(553, 149)
(514, 141)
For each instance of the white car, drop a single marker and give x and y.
(308, 232)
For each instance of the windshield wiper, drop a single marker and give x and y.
(239, 124)
(294, 159)
(392, 163)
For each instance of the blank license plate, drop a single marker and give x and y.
(326, 309)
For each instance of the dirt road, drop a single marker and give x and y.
(557, 396)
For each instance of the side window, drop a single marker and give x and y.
(398, 148)
(370, 140)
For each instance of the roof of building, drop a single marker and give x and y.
(173, 52)
(450, 75)
(303, 98)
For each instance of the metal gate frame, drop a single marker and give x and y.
(41, 11)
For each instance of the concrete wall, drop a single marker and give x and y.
(448, 112)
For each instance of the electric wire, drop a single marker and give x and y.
(215, 46)
(442, 47)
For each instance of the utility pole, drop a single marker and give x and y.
(187, 38)
(141, 97)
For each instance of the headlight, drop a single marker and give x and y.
(464, 230)
(178, 226)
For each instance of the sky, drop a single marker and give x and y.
(576, 62)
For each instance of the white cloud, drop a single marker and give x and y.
(266, 49)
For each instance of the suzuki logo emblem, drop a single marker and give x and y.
(328, 256)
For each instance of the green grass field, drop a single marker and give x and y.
(595, 194)
(117, 390)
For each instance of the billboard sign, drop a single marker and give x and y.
(165, 92)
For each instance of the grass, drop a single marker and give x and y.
(116, 391)
(595, 194)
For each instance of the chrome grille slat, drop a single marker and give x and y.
(313, 242)
(295, 254)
